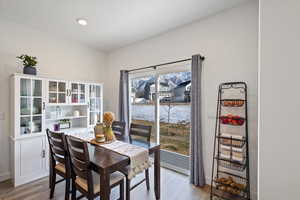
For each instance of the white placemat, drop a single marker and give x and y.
(139, 156)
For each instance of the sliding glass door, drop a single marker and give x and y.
(142, 98)
(174, 112)
(163, 101)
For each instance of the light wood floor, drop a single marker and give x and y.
(174, 186)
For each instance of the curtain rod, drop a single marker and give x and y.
(162, 64)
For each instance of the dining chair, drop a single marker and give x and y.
(84, 179)
(59, 162)
(119, 128)
(138, 132)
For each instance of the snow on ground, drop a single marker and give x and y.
(178, 113)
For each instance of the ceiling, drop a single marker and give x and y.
(111, 23)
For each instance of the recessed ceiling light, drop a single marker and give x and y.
(81, 21)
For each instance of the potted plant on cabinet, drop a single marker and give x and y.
(29, 63)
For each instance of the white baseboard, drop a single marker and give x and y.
(4, 176)
(24, 180)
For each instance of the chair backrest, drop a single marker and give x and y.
(58, 147)
(119, 128)
(80, 159)
(140, 131)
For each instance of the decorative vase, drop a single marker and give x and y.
(29, 70)
(109, 134)
(98, 129)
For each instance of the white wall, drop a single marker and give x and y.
(228, 40)
(57, 58)
(279, 137)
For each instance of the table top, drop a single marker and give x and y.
(105, 159)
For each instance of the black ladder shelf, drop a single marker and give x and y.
(230, 168)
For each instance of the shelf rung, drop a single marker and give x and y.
(233, 100)
(231, 161)
(231, 138)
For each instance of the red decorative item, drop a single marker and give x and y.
(232, 120)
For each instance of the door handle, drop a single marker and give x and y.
(44, 106)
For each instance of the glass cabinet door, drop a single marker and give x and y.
(52, 92)
(74, 91)
(57, 92)
(78, 93)
(62, 92)
(25, 105)
(81, 93)
(31, 106)
(95, 112)
(25, 86)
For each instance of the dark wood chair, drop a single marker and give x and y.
(118, 128)
(86, 181)
(59, 162)
(139, 132)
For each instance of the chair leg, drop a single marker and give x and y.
(50, 178)
(147, 179)
(73, 190)
(127, 189)
(52, 187)
(121, 190)
(91, 197)
(67, 192)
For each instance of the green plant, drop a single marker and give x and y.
(28, 61)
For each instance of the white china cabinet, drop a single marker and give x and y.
(28, 139)
(40, 103)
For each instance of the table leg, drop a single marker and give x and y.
(105, 185)
(157, 173)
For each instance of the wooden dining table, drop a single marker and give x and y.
(105, 162)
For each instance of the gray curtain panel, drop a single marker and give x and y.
(197, 169)
(124, 98)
